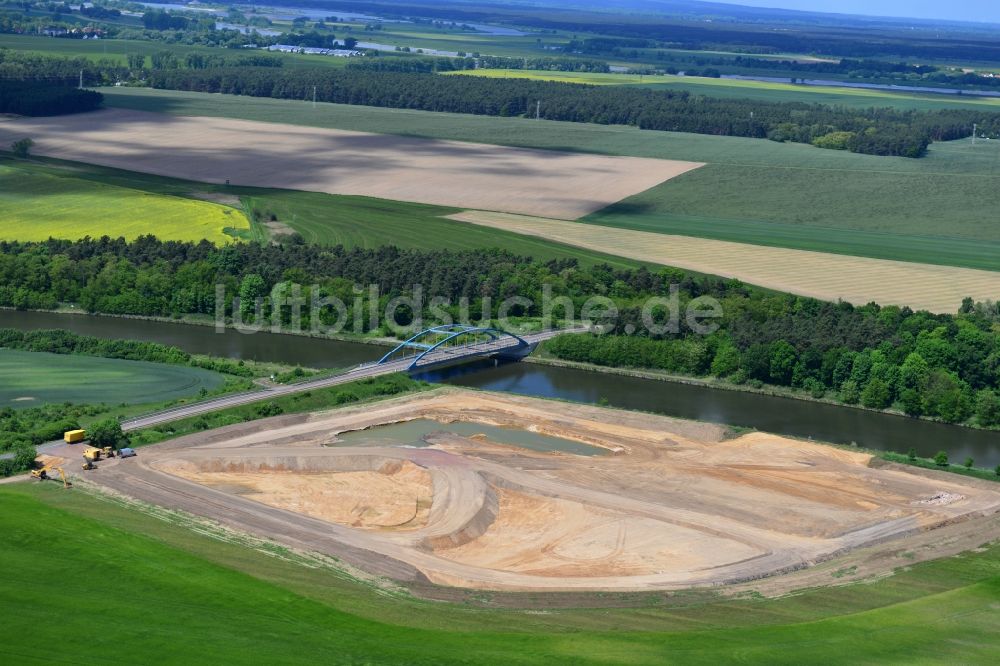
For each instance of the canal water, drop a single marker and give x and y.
(831, 423)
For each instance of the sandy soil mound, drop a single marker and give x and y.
(396, 496)
(544, 536)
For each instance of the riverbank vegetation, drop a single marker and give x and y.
(938, 366)
(941, 366)
(362, 390)
(68, 343)
(58, 341)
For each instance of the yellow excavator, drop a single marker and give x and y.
(42, 474)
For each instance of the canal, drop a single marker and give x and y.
(824, 422)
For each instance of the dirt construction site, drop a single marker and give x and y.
(662, 503)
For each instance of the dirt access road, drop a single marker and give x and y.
(670, 504)
(448, 173)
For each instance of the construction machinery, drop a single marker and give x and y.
(42, 474)
(88, 464)
(94, 454)
(74, 436)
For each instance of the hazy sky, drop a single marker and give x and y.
(960, 10)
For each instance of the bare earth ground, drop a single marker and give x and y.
(448, 173)
(830, 277)
(672, 504)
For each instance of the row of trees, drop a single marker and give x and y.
(945, 366)
(547, 64)
(66, 342)
(36, 425)
(158, 19)
(876, 131)
(438, 64)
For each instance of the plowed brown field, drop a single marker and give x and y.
(449, 173)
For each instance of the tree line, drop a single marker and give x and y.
(33, 98)
(546, 64)
(884, 131)
(937, 365)
(941, 366)
(439, 64)
(58, 341)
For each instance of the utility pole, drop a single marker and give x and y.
(538, 110)
(314, 97)
(81, 79)
(974, 126)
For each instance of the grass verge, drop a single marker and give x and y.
(200, 595)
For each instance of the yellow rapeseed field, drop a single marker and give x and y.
(35, 206)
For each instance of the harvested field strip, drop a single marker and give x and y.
(829, 277)
(550, 183)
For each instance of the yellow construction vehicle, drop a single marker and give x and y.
(43, 474)
(88, 464)
(74, 436)
(108, 451)
(92, 454)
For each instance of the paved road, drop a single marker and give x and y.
(360, 372)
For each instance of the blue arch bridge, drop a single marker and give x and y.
(444, 345)
(441, 345)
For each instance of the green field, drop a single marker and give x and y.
(321, 218)
(764, 91)
(715, 202)
(31, 379)
(354, 221)
(788, 195)
(40, 203)
(177, 594)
